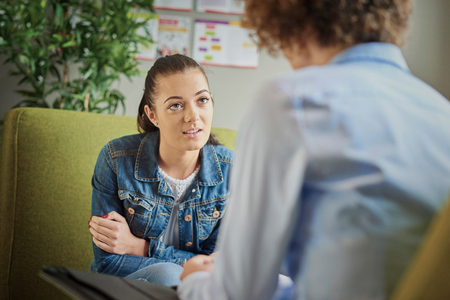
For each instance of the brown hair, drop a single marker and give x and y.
(165, 66)
(280, 23)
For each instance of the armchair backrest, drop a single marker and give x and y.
(428, 276)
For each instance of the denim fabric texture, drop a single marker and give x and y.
(126, 180)
(165, 273)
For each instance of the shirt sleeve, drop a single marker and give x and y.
(266, 181)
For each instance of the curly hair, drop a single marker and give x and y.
(280, 23)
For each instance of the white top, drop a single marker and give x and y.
(171, 236)
(338, 171)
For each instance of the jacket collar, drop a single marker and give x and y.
(379, 52)
(146, 165)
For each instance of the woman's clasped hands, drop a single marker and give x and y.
(111, 233)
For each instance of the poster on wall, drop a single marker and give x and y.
(173, 35)
(223, 43)
(147, 52)
(181, 5)
(232, 7)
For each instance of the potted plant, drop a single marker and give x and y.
(44, 41)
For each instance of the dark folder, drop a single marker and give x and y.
(94, 286)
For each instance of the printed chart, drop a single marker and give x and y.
(173, 35)
(147, 52)
(232, 7)
(222, 43)
(182, 5)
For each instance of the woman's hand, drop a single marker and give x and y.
(112, 234)
(197, 264)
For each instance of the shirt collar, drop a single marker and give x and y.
(379, 52)
(146, 165)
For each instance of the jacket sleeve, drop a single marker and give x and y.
(104, 200)
(160, 250)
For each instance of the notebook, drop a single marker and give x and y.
(86, 285)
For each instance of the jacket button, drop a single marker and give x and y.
(216, 214)
(188, 244)
(193, 190)
(131, 211)
(187, 218)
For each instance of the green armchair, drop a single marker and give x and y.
(46, 163)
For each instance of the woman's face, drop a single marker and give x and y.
(183, 110)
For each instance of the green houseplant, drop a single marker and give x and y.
(44, 40)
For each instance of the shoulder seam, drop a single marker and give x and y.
(225, 160)
(125, 152)
(111, 154)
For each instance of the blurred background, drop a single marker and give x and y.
(427, 53)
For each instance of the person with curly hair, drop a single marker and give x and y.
(340, 165)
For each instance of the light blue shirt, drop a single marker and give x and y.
(339, 170)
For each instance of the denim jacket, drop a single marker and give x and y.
(126, 180)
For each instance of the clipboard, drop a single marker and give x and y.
(86, 285)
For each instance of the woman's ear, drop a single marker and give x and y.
(150, 115)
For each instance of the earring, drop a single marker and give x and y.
(156, 124)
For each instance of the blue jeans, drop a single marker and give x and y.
(165, 273)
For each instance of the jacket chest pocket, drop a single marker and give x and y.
(208, 216)
(139, 213)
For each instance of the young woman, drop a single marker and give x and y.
(341, 164)
(158, 197)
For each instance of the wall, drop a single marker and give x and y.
(426, 53)
(428, 48)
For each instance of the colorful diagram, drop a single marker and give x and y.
(223, 43)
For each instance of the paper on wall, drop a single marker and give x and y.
(222, 43)
(147, 52)
(173, 35)
(183, 5)
(233, 7)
